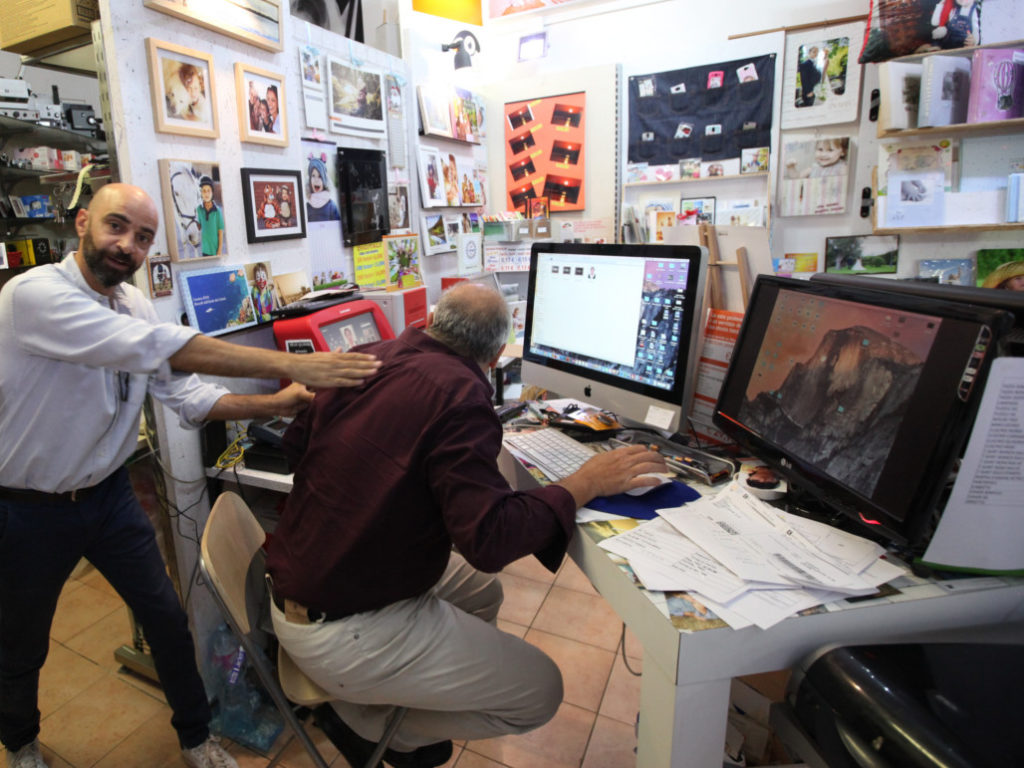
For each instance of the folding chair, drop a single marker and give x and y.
(231, 561)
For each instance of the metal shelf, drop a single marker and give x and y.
(50, 137)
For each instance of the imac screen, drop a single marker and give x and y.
(350, 332)
(862, 398)
(619, 319)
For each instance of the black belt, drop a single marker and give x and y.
(29, 496)
(312, 614)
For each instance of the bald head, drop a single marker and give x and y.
(473, 320)
(115, 234)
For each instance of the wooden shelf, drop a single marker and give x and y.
(1013, 125)
(666, 182)
(949, 229)
(966, 52)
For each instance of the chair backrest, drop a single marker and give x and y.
(231, 539)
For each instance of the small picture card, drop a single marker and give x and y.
(161, 280)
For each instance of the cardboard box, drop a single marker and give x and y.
(29, 26)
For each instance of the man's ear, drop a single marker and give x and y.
(494, 363)
(81, 221)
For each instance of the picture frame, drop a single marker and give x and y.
(431, 177)
(192, 235)
(217, 300)
(862, 254)
(257, 22)
(355, 98)
(435, 234)
(181, 85)
(540, 208)
(266, 191)
(262, 111)
(403, 254)
(398, 206)
(435, 111)
(704, 207)
(161, 277)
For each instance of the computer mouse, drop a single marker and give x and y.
(663, 477)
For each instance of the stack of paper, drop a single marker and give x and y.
(747, 561)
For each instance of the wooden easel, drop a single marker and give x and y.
(709, 239)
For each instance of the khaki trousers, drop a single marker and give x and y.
(439, 654)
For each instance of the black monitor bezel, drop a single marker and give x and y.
(691, 312)
(910, 528)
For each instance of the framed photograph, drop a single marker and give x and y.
(354, 98)
(181, 86)
(403, 253)
(703, 208)
(217, 300)
(540, 208)
(398, 206)
(862, 254)
(431, 174)
(193, 210)
(161, 280)
(262, 116)
(257, 22)
(435, 234)
(452, 228)
(262, 291)
(435, 111)
(274, 209)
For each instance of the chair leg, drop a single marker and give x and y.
(389, 732)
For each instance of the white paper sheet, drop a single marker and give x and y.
(665, 560)
(746, 535)
(982, 525)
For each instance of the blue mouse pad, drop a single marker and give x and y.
(643, 507)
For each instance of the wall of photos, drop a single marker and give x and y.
(235, 145)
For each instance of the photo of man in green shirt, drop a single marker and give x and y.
(211, 220)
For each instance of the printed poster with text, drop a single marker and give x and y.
(544, 152)
(720, 334)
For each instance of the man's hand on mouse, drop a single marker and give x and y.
(615, 471)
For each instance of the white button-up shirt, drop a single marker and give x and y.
(75, 367)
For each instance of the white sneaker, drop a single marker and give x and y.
(209, 754)
(27, 757)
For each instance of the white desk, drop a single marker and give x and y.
(686, 675)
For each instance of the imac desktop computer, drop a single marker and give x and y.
(617, 327)
(861, 397)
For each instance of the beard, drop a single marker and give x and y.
(96, 259)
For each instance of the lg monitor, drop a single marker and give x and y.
(616, 326)
(861, 397)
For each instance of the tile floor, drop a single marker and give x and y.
(97, 714)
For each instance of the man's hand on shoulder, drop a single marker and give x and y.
(292, 399)
(614, 472)
(333, 369)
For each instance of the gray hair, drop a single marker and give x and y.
(473, 320)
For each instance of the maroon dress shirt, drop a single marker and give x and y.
(390, 474)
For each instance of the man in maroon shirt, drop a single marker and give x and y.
(370, 599)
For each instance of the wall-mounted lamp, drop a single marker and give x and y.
(465, 46)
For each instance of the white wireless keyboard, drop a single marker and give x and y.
(551, 451)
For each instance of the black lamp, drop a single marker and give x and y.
(465, 46)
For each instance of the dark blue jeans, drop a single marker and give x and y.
(40, 544)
